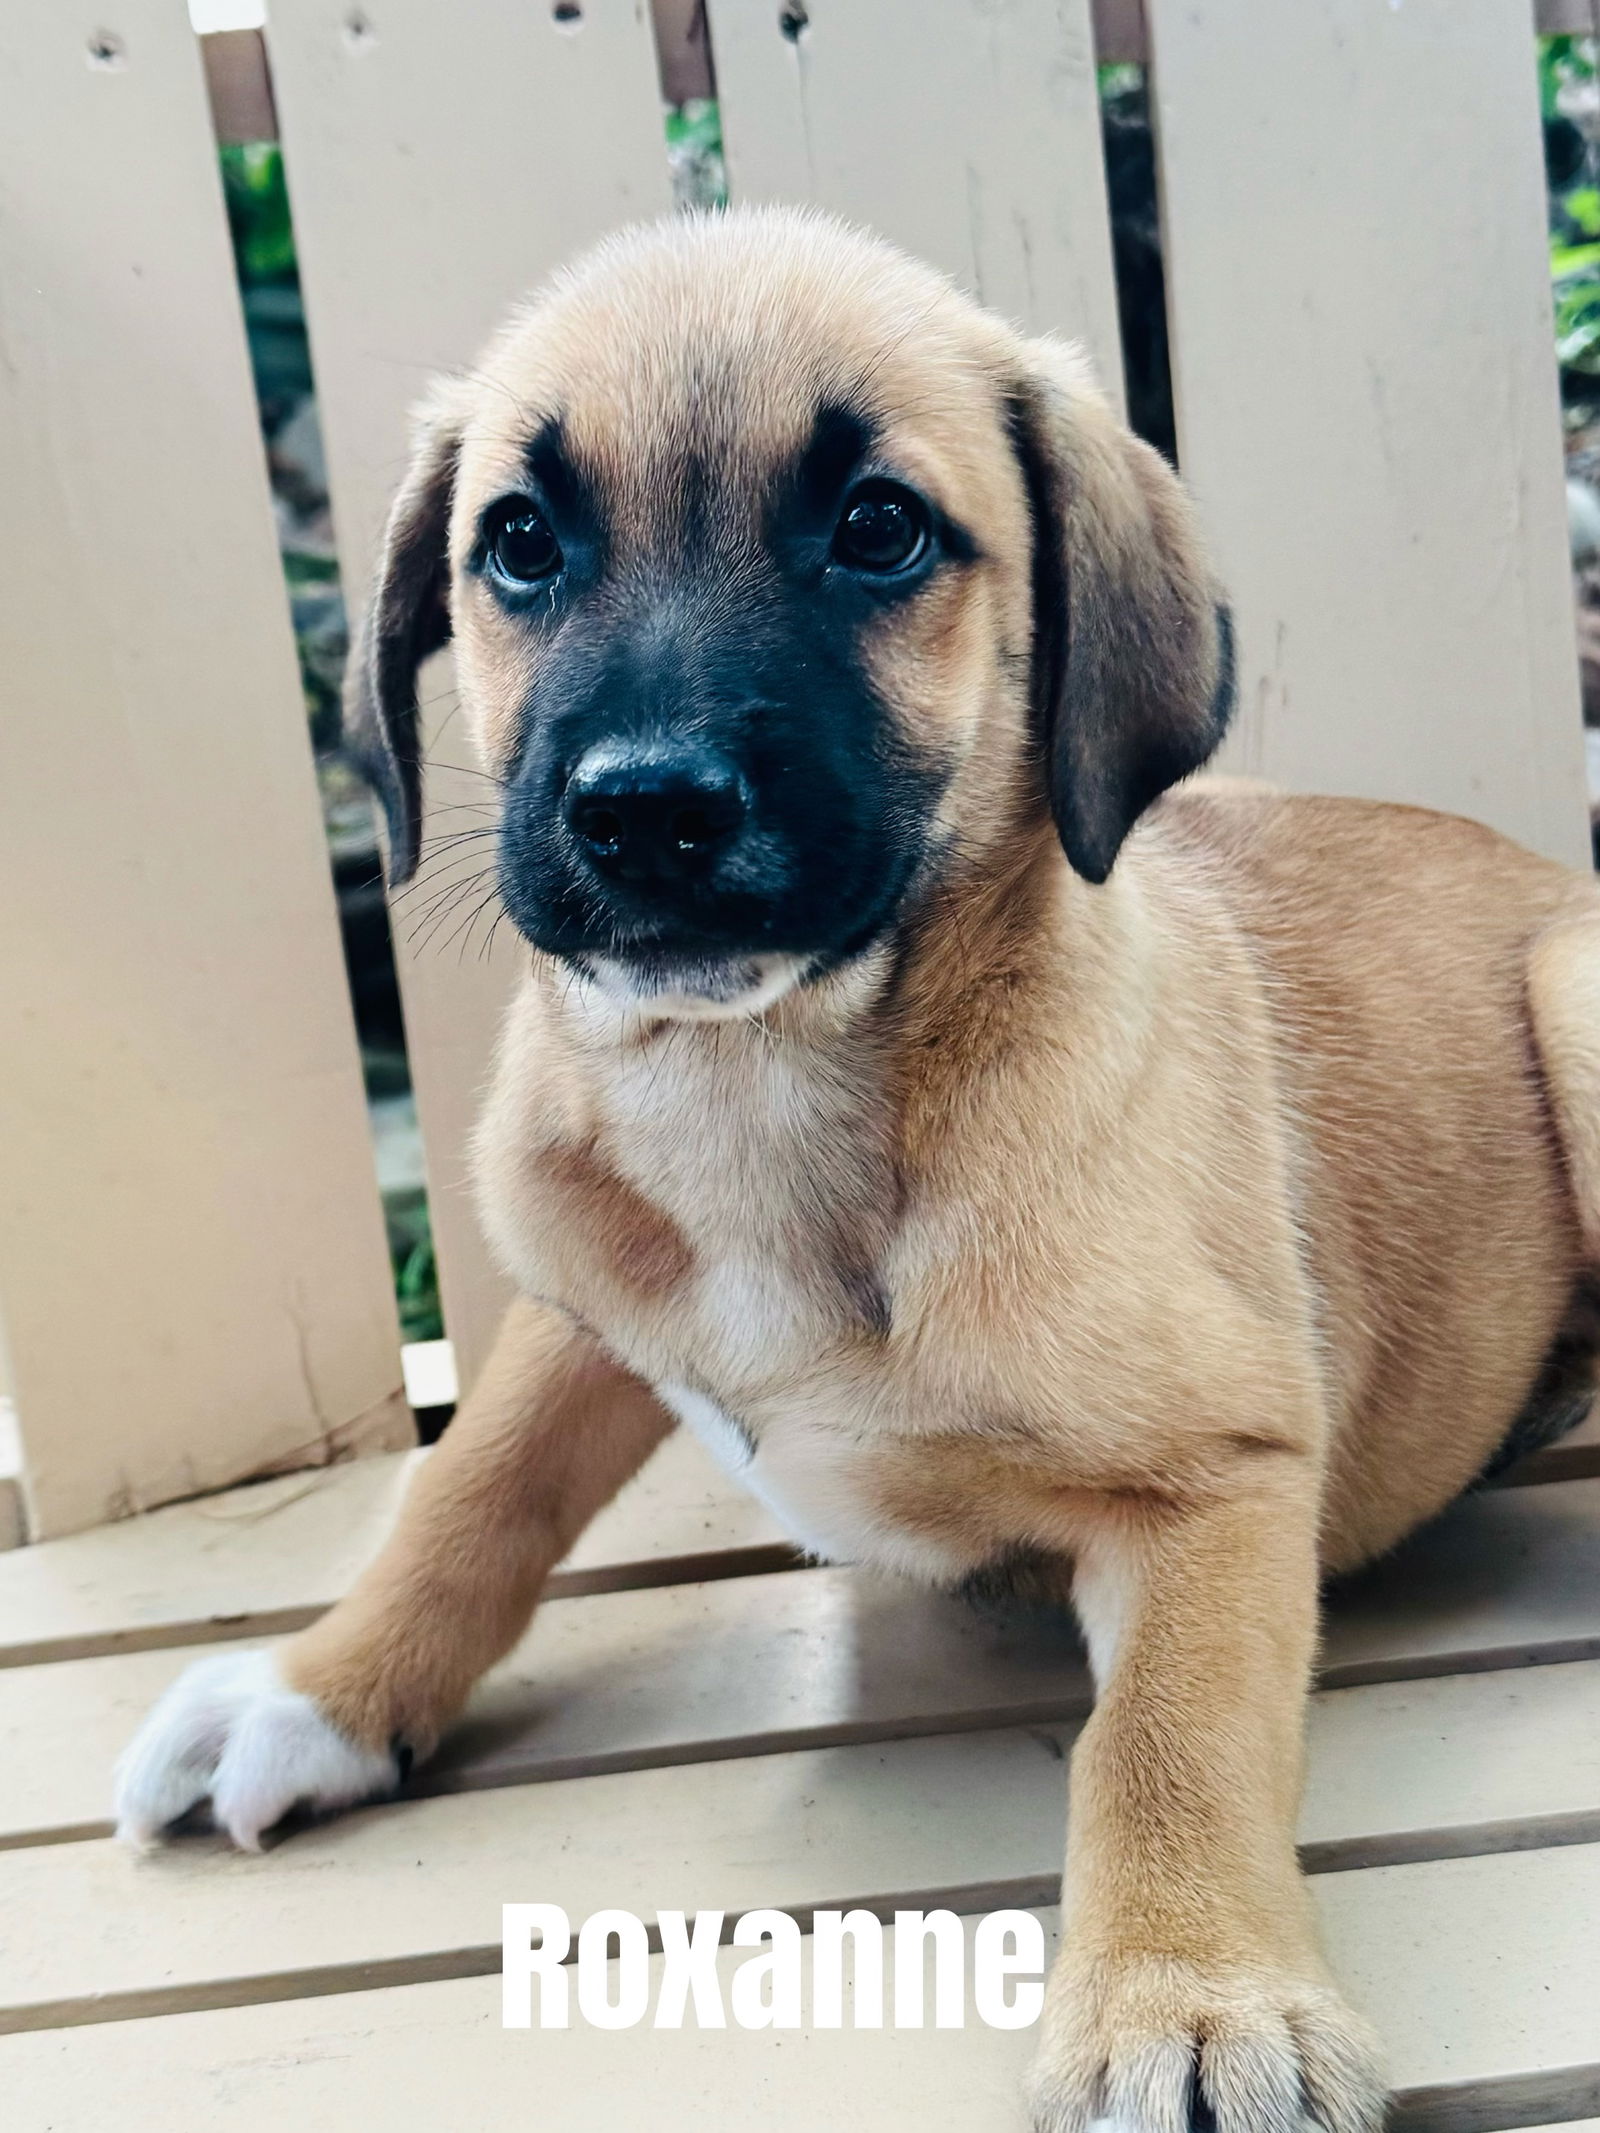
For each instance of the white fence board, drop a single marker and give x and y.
(967, 132)
(438, 167)
(193, 1273)
(1362, 353)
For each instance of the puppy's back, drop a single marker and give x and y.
(1394, 946)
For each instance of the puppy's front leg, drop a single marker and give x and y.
(1190, 1989)
(551, 1431)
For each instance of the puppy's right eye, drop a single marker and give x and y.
(521, 545)
(882, 530)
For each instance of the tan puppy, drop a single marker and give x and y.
(1171, 1212)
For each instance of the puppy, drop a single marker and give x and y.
(997, 1168)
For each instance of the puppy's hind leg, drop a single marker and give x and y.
(1564, 1003)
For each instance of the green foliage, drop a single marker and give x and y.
(1578, 322)
(1567, 76)
(697, 124)
(694, 153)
(416, 1270)
(1565, 63)
(258, 211)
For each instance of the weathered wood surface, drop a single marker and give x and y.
(983, 157)
(971, 1819)
(194, 1282)
(1359, 300)
(807, 1739)
(755, 1665)
(1484, 1975)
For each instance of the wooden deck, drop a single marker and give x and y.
(694, 1721)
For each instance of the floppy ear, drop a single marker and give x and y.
(1133, 646)
(407, 617)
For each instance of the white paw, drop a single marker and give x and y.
(231, 1729)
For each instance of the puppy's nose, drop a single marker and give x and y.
(654, 813)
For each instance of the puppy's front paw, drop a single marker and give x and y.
(231, 1729)
(1143, 2044)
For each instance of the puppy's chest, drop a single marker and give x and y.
(729, 1239)
(728, 1227)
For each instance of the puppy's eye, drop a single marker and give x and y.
(883, 528)
(524, 549)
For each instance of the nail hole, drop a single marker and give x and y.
(794, 22)
(358, 30)
(107, 51)
(566, 14)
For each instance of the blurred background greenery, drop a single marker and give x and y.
(1567, 96)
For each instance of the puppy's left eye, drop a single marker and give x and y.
(883, 528)
(523, 548)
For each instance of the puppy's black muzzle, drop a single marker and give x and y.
(709, 777)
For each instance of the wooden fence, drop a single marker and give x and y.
(194, 1283)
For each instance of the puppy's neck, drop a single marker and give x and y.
(783, 1157)
(1000, 948)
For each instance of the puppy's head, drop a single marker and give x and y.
(784, 582)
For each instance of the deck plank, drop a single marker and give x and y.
(88, 1933)
(273, 1556)
(1482, 1974)
(622, 1681)
(1398, 1772)
(827, 1656)
(1507, 1577)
